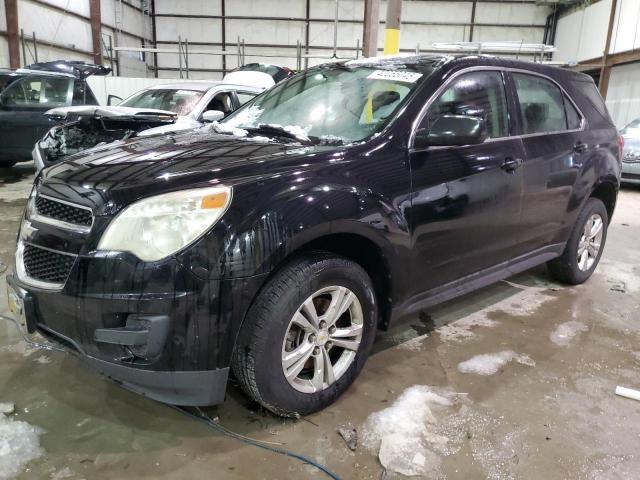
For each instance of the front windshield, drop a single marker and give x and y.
(336, 104)
(179, 101)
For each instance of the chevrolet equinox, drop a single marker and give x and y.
(274, 244)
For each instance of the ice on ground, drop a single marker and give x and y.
(19, 444)
(525, 302)
(565, 332)
(7, 407)
(43, 359)
(462, 329)
(405, 434)
(413, 345)
(488, 364)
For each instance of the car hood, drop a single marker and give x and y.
(108, 112)
(110, 177)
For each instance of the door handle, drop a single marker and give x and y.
(511, 164)
(580, 147)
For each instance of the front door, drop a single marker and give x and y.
(466, 199)
(22, 105)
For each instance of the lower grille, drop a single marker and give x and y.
(51, 208)
(630, 176)
(45, 265)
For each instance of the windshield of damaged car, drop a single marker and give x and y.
(632, 128)
(333, 105)
(179, 101)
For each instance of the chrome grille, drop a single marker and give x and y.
(64, 212)
(46, 265)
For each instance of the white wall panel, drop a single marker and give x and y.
(581, 35)
(76, 6)
(54, 26)
(4, 53)
(426, 35)
(265, 31)
(196, 30)
(348, 9)
(626, 30)
(191, 7)
(511, 13)
(261, 8)
(623, 94)
(3, 19)
(507, 34)
(420, 11)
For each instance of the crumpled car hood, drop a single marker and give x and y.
(107, 112)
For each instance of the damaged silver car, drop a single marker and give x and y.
(156, 110)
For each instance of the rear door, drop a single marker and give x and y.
(22, 107)
(466, 200)
(555, 145)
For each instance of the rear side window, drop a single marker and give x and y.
(477, 94)
(541, 104)
(591, 92)
(37, 92)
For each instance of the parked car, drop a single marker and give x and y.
(277, 242)
(28, 93)
(277, 72)
(158, 109)
(631, 155)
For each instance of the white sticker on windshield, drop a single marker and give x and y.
(397, 75)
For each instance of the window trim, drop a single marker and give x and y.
(449, 81)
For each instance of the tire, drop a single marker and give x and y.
(567, 267)
(269, 333)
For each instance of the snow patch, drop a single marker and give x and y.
(565, 332)
(405, 434)
(19, 444)
(245, 116)
(43, 359)
(228, 129)
(488, 364)
(461, 329)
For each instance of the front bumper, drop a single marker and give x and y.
(631, 172)
(175, 350)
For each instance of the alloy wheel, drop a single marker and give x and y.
(322, 339)
(590, 242)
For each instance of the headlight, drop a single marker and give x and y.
(159, 226)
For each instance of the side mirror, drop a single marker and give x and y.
(212, 116)
(113, 100)
(453, 130)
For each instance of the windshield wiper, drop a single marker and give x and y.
(279, 131)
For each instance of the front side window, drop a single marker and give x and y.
(478, 94)
(244, 97)
(37, 92)
(541, 104)
(341, 103)
(180, 101)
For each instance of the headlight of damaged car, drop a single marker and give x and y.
(159, 226)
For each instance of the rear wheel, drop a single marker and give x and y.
(585, 245)
(307, 335)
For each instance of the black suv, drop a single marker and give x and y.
(26, 94)
(276, 243)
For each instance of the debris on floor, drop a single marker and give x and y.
(350, 436)
(19, 444)
(628, 393)
(619, 287)
(488, 364)
(404, 434)
(7, 408)
(565, 332)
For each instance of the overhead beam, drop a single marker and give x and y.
(13, 32)
(95, 19)
(370, 28)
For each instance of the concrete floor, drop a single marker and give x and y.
(550, 413)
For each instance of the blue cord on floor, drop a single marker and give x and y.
(256, 443)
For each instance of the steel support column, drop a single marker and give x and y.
(605, 71)
(392, 27)
(13, 32)
(370, 28)
(95, 18)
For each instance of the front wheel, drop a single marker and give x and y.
(307, 335)
(585, 245)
